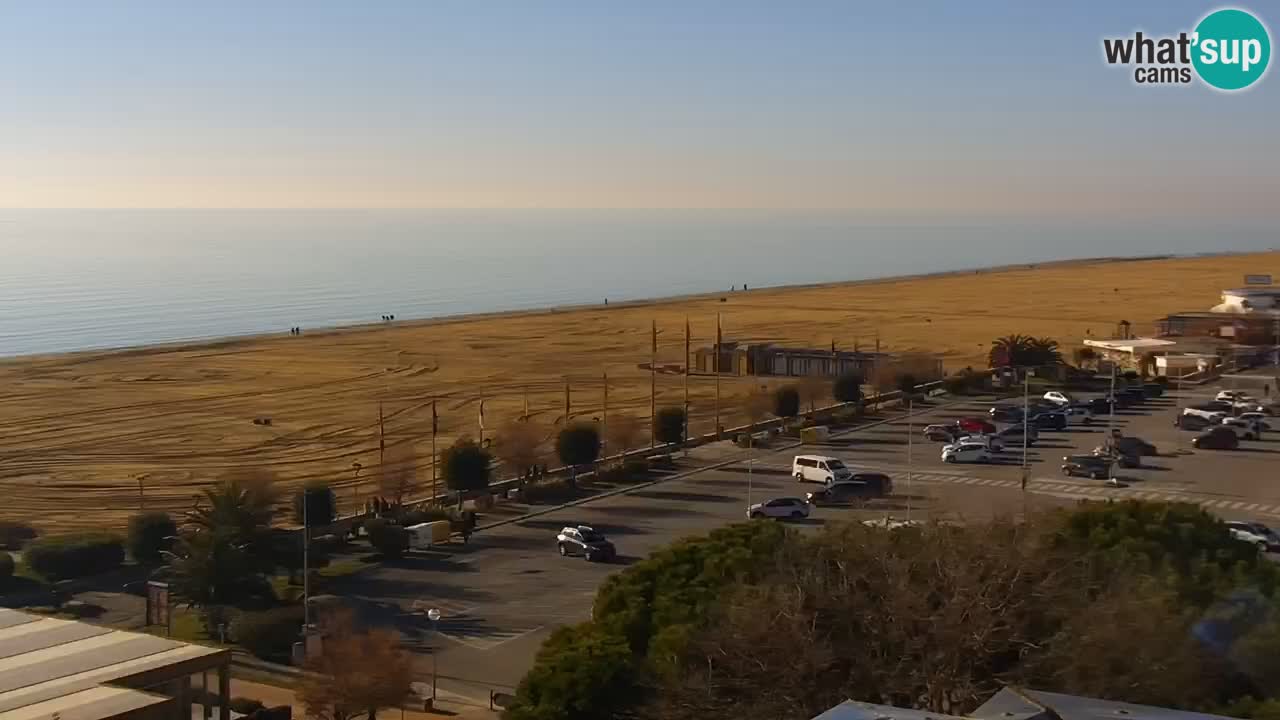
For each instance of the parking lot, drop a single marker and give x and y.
(504, 593)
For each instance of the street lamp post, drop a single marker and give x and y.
(910, 433)
(434, 616)
(1026, 419)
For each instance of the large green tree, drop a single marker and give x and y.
(466, 466)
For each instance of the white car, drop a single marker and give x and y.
(1245, 429)
(1256, 533)
(819, 469)
(994, 443)
(787, 507)
(1233, 396)
(966, 452)
(1213, 416)
(1058, 398)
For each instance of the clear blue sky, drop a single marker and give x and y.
(938, 107)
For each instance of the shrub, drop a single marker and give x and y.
(6, 567)
(387, 538)
(907, 383)
(956, 384)
(578, 444)
(14, 534)
(848, 387)
(321, 505)
(786, 402)
(244, 705)
(69, 556)
(149, 534)
(669, 425)
(269, 634)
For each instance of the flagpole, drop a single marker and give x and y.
(715, 364)
(481, 418)
(525, 417)
(653, 383)
(382, 437)
(604, 423)
(435, 426)
(567, 407)
(685, 432)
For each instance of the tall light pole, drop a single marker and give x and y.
(434, 616)
(1026, 420)
(910, 432)
(306, 564)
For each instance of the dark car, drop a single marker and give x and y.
(1006, 413)
(586, 541)
(136, 587)
(1217, 438)
(1091, 466)
(1052, 420)
(1154, 390)
(1133, 396)
(1099, 406)
(1191, 422)
(1012, 435)
(859, 488)
(1129, 445)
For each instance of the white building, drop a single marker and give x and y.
(1250, 300)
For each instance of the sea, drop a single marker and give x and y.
(90, 279)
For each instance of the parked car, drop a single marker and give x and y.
(1099, 406)
(1125, 458)
(1258, 417)
(943, 433)
(1058, 398)
(1096, 467)
(136, 587)
(848, 492)
(1134, 396)
(786, 507)
(1222, 406)
(966, 452)
(1053, 420)
(1192, 422)
(1213, 416)
(1245, 429)
(1218, 437)
(586, 541)
(994, 443)
(1232, 395)
(819, 469)
(1078, 415)
(1154, 390)
(1012, 435)
(1006, 413)
(875, 483)
(1257, 534)
(1130, 445)
(975, 425)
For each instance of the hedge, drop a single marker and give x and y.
(269, 634)
(387, 538)
(68, 556)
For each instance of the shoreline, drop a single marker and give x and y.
(215, 342)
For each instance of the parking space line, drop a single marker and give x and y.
(1254, 506)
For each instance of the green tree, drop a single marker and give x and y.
(580, 673)
(240, 508)
(786, 402)
(669, 425)
(848, 387)
(150, 534)
(321, 504)
(466, 466)
(578, 444)
(213, 567)
(6, 568)
(1023, 351)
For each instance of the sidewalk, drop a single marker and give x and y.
(446, 706)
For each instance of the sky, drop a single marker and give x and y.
(919, 108)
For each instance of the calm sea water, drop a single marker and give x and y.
(92, 278)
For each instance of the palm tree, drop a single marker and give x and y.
(1009, 350)
(242, 504)
(1043, 351)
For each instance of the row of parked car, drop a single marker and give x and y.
(1223, 422)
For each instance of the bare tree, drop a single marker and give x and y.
(357, 672)
(397, 473)
(931, 617)
(519, 445)
(812, 389)
(621, 433)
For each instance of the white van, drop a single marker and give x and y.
(819, 469)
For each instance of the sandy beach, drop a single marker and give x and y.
(88, 438)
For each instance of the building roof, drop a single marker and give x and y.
(49, 665)
(1023, 704)
(1129, 344)
(851, 710)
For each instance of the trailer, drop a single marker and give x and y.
(423, 535)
